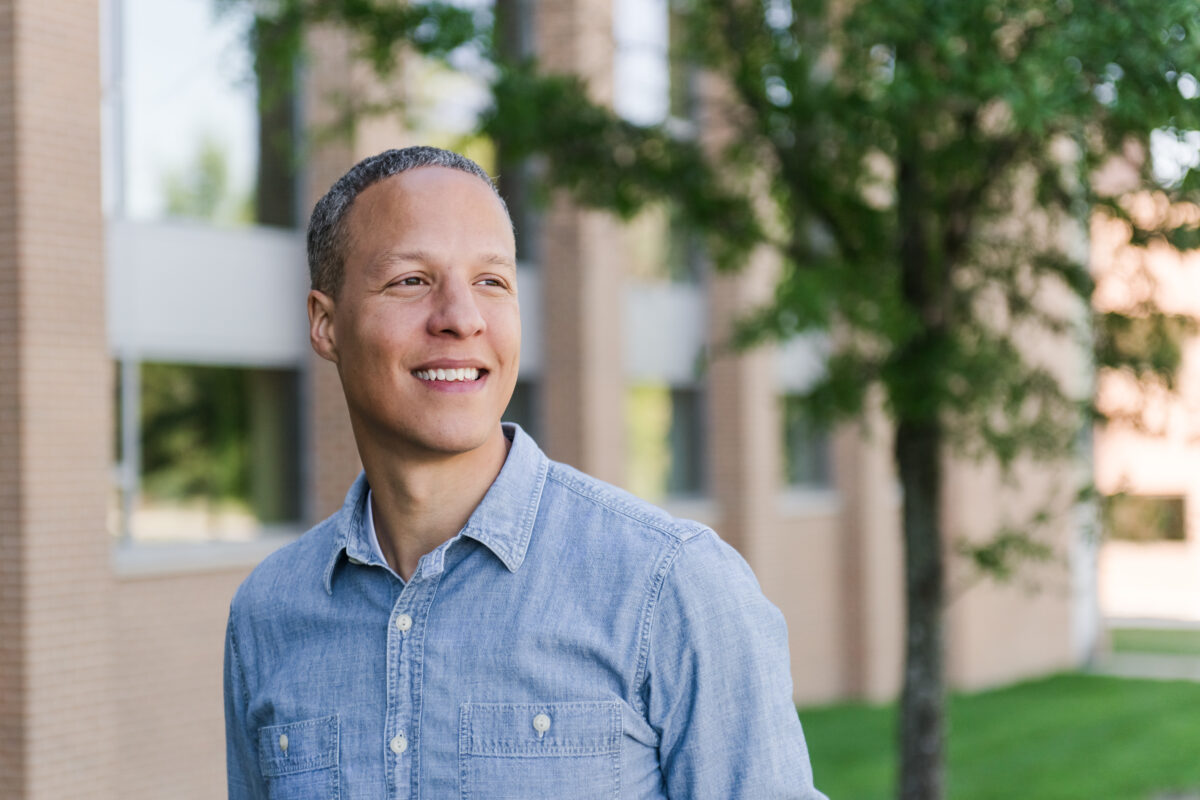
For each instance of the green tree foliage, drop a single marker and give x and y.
(202, 189)
(194, 433)
(924, 172)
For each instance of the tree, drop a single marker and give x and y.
(924, 173)
(202, 190)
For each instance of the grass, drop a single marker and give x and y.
(1169, 641)
(1068, 737)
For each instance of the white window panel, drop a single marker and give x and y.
(189, 293)
(800, 362)
(529, 287)
(664, 332)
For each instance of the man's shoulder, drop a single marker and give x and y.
(293, 570)
(694, 550)
(581, 495)
(691, 570)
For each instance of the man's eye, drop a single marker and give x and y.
(409, 281)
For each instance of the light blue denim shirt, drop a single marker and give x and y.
(571, 641)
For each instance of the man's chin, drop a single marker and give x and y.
(454, 443)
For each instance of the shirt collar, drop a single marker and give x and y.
(502, 522)
(370, 534)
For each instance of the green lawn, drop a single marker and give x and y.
(1171, 641)
(1068, 737)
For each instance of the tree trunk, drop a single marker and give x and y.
(922, 703)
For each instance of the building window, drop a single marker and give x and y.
(197, 126)
(654, 86)
(211, 452)
(515, 178)
(661, 249)
(641, 60)
(665, 441)
(1145, 518)
(807, 461)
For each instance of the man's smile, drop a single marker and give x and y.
(461, 374)
(452, 376)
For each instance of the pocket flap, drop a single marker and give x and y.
(298, 746)
(540, 729)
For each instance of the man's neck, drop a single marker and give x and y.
(419, 503)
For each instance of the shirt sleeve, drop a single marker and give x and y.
(241, 760)
(719, 684)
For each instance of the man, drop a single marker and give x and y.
(478, 621)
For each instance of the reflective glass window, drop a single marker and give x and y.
(205, 131)
(665, 443)
(807, 460)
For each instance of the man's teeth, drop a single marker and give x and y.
(467, 374)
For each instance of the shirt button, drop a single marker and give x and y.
(541, 724)
(399, 744)
(283, 742)
(404, 623)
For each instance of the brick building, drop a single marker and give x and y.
(114, 590)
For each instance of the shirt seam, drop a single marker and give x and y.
(236, 658)
(611, 504)
(237, 663)
(653, 596)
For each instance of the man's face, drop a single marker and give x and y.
(425, 330)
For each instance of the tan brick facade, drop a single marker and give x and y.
(582, 281)
(56, 715)
(12, 640)
(168, 638)
(332, 461)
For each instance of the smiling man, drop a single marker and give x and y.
(478, 621)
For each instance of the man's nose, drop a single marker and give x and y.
(455, 310)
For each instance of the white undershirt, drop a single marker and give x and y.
(372, 536)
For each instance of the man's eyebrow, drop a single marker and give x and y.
(423, 256)
(500, 260)
(393, 256)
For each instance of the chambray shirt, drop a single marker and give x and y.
(571, 641)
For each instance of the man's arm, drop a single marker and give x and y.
(720, 687)
(241, 759)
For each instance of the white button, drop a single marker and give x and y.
(399, 744)
(404, 623)
(283, 742)
(541, 724)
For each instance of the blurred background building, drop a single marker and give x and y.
(1148, 469)
(163, 424)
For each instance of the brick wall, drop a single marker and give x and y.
(56, 731)
(583, 379)
(168, 637)
(12, 664)
(332, 456)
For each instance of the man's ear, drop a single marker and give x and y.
(320, 325)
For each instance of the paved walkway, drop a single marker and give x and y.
(1150, 665)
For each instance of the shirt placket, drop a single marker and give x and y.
(406, 638)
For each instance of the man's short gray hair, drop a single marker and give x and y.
(327, 226)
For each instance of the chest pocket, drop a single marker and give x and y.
(518, 751)
(299, 761)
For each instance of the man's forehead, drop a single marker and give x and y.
(429, 181)
(412, 215)
(416, 192)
